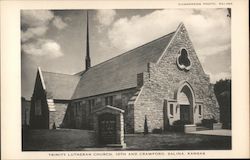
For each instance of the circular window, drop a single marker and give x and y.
(183, 60)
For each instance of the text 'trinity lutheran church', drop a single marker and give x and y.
(161, 81)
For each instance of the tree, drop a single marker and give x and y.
(145, 126)
(222, 90)
(54, 125)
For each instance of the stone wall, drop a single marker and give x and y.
(165, 78)
(82, 118)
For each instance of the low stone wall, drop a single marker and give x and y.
(59, 139)
(189, 128)
(217, 126)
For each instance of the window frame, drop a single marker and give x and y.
(200, 109)
(171, 109)
(91, 104)
(109, 100)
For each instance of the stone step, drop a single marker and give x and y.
(201, 128)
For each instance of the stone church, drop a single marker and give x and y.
(162, 81)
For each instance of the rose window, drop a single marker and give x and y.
(183, 60)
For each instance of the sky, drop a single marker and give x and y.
(55, 40)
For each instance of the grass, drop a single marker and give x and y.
(177, 141)
(74, 140)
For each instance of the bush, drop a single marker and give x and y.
(178, 126)
(145, 126)
(208, 122)
(54, 126)
(198, 124)
(157, 130)
(178, 122)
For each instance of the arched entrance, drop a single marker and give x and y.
(185, 101)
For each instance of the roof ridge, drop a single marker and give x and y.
(129, 51)
(59, 73)
(80, 72)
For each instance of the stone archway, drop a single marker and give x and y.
(186, 102)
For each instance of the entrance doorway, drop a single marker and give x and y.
(186, 101)
(185, 114)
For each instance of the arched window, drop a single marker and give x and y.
(200, 110)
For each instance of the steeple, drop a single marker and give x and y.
(87, 58)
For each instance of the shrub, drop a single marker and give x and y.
(208, 122)
(54, 126)
(178, 126)
(178, 122)
(145, 126)
(167, 125)
(198, 124)
(157, 130)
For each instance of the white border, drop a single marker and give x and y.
(11, 78)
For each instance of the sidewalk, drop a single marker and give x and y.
(219, 132)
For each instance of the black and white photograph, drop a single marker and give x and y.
(123, 79)
(126, 79)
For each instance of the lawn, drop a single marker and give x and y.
(177, 141)
(79, 140)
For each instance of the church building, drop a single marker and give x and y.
(161, 81)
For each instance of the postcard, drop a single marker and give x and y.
(124, 80)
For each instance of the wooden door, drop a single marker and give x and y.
(185, 114)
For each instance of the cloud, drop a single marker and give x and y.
(59, 23)
(33, 32)
(34, 18)
(34, 26)
(35, 23)
(43, 47)
(209, 51)
(216, 77)
(208, 28)
(105, 17)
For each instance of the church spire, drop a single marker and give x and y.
(87, 58)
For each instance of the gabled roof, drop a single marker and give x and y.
(59, 86)
(120, 72)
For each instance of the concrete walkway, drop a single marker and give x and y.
(219, 132)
